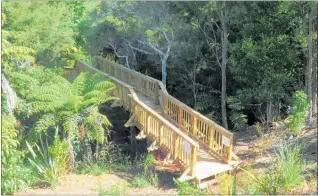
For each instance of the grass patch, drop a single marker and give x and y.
(190, 188)
(143, 180)
(140, 181)
(148, 176)
(289, 164)
(283, 176)
(116, 189)
(95, 169)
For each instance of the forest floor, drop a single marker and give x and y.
(90, 184)
(253, 150)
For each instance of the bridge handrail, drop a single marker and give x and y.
(139, 81)
(213, 136)
(209, 133)
(182, 147)
(122, 89)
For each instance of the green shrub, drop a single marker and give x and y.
(59, 152)
(289, 164)
(49, 162)
(237, 118)
(283, 175)
(227, 184)
(93, 168)
(116, 189)
(15, 174)
(148, 171)
(190, 188)
(140, 181)
(43, 164)
(267, 183)
(299, 112)
(249, 186)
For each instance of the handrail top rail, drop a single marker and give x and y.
(202, 117)
(166, 122)
(132, 71)
(110, 77)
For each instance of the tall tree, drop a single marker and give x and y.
(310, 59)
(216, 32)
(264, 77)
(224, 38)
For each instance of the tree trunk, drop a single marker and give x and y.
(164, 70)
(224, 63)
(71, 157)
(309, 67)
(11, 96)
(96, 151)
(314, 88)
(269, 114)
(194, 86)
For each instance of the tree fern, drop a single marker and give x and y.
(13, 52)
(73, 103)
(80, 83)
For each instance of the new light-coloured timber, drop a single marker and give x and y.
(201, 147)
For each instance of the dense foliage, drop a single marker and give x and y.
(236, 62)
(299, 112)
(267, 47)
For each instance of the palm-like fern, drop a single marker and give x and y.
(72, 104)
(13, 52)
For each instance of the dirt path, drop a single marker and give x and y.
(89, 184)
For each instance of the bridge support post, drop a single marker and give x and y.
(133, 143)
(194, 160)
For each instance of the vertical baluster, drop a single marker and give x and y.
(220, 142)
(179, 114)
(194, 125)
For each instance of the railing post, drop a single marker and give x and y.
(193, 160)
(211, 137)
(165, 105)
(229, 156)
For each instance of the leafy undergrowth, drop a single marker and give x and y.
(190, 188)
(275, 162)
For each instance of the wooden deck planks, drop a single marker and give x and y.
(207, 164)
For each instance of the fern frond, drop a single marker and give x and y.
(94, 93)
(60, 80)
(46, 121)
(38, 106)
(9, 134)
(21, 81)
(104, 85)
(71, 125)
(93, 80)
(80, 83)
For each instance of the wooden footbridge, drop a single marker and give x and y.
(199, 145)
